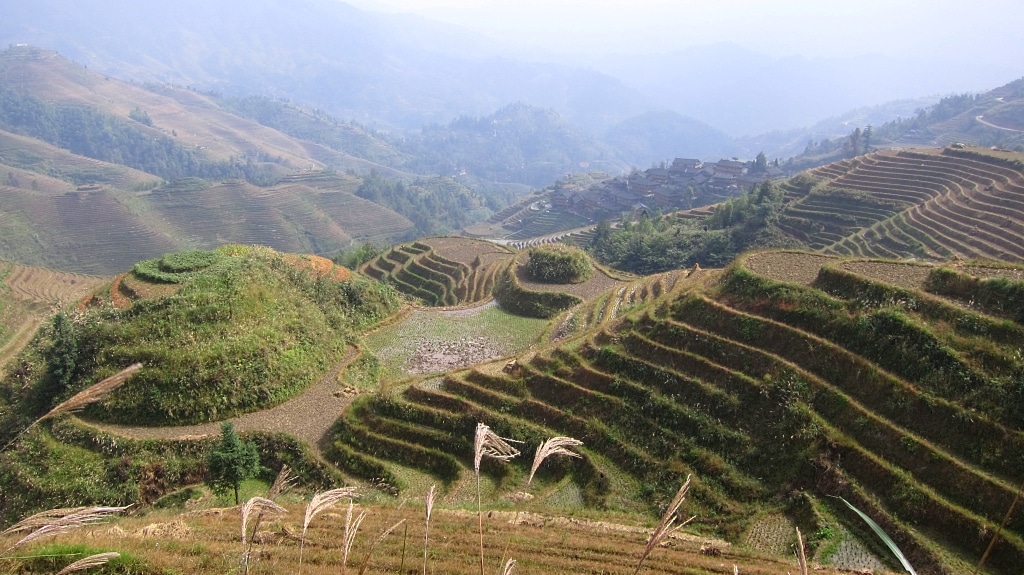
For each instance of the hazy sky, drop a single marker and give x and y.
(951, 28)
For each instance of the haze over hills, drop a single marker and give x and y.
(401, 72)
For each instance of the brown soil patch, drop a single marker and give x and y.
(118, 298)
(910, 276)
(994, 272)
(793, 267)
(318, 267)
(465, 250)
(588, 290)
(437, 356)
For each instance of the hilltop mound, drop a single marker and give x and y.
(773, 394)
(219, 333)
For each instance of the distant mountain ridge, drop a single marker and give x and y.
(400, 72)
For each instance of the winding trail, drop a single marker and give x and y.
(998, 127)
(307, 416)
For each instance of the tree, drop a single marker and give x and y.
(856, 142)
(61, 359)
(231, 462)
(761, 163)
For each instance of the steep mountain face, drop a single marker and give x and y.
(398, 70)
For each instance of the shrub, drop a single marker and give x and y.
(559, 264)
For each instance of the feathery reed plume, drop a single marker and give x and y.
(57, 521)
(553, 446)
(76, 402)
(426, 530)
(801, 558)
(40, 519)
(259, 506)
(318, 504)
(351, 528)
(510, 566)
(376, 542)
(93, 393)
(667, 525)
(282, 483)
(89, 562)
(490, 444)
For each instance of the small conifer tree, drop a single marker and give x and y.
(231, 462)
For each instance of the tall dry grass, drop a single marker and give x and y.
(487, 443)
(667, 526)
(80, 400)
(97, 560)
(57, 521)
(258, 506)
(426, 527)
(351, 528)
(554, 446)
(318, 504)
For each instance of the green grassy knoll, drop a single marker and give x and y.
(246, 329)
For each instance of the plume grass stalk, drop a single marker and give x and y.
(426, 529)
(80, 400)
(97, 560)
(57, 521)
(318, 504)
(351, 528)
(666, 526)
(801, 558)
(376, 542)
(488, 443)
(554, 446)
(258, 506)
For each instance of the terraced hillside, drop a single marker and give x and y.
(442, 271)
(28, 295)
(784, 380)
(103, 228)
(933, 204)
(97, 174)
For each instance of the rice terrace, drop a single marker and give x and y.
(276, 369)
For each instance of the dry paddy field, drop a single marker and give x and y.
(28, 294)
(208, 541)
(793, 267)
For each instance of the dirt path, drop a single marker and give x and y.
(308, 416)
(991, 125)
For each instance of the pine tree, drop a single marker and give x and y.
(231, 462)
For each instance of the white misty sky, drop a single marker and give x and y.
(814, 28)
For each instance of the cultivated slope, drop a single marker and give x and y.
(934, 204)
(69, 200)
(771, 394)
